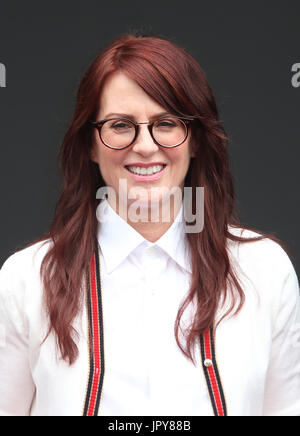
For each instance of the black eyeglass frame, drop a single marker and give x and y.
(185, 120)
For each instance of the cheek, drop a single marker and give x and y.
(110, 162)
(179, 158)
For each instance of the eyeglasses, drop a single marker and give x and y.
(119, 133)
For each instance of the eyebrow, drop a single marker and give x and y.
(132, 117)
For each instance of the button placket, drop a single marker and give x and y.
(150, 261)
(151, 270)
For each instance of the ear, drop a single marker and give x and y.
(192, 147)
(93, 154)
(192, 150)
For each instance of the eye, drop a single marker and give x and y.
(121, 125)
(166, 124)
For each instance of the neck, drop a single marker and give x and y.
(151, 222)
(151, 231)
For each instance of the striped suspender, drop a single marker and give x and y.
(96, 371)
(211, 372)
(96, 345)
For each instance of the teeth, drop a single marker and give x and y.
(146, 171)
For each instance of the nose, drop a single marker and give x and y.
(144, 143)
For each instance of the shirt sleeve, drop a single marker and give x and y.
(16, 384)
(282, 390)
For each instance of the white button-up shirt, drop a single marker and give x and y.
(146, 374)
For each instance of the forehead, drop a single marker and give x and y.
(120, 94)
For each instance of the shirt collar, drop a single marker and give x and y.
(117, 239)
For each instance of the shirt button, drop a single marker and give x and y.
(207, 363)
(150, 251)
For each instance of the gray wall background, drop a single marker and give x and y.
(247, 50)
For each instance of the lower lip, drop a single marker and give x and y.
(151, 178)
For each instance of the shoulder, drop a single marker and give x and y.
(26, 258)
(22, 268)
(20, 288)
(263, 253)
(264, 264)
(267, 276)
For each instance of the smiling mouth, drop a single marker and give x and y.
(145, 171)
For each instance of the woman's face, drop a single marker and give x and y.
(122, 97)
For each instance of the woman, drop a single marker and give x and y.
(126, 306)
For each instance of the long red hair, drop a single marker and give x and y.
(173, 78)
